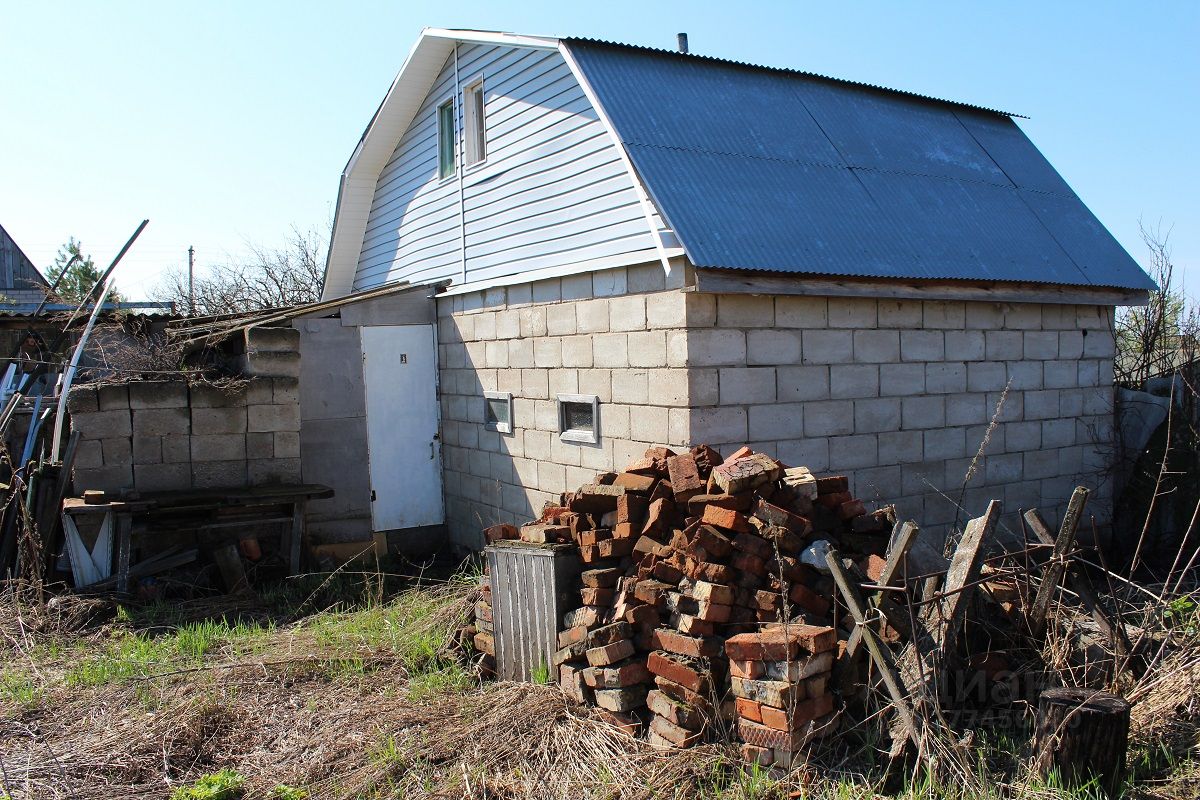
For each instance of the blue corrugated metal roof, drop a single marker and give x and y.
(766, 169)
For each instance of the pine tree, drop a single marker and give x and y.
(80, 278)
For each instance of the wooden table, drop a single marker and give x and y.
(202, 510)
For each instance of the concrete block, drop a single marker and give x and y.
(801, 312)
(945, 443)
(986, 376)
(922, 345)
(1041, 345)
(630, 386)
(648, 349)
(496, 354)
(627, 313)
(1025, 375)
(1058, 433)
(1003, 469)
(1023, 316)
(745, 385)
(745, 311)
(1058, 317)
(274, 470)
(547, 352)
(1009, 407)
(591, 316)
(547, 291)
(900, 314)
(828, 418)
(853, 380)
(1022, 436)
(537, 444)
(270, 365)
(677, 348)
(718, 425)
(89, 454)
(945, 314)
(876, 346)
(668, 386)
(984, 316)
(287, 444)
(162, 477)
(922, 412)
(1070, 345)
(1099, 344)
(176, 448)
(776, 421)
(946, 377)
(901, 447)
(1004, 345)
(878, 484)
(158, 394)
(577, 287)
(703, 387)
(272, 418)
(811, 453)
(83, 399)
(485, 326)
(272, 340)
(533, 383)
(577, 351)
(1041, 404)
(261, 445)
(610, 350)
(647, 424)
(104, 479)
(901, 379)
(520, 353)
(645, 278)
(101, 424)
(853, 452)
(853, 312)
(1093, 401)
(715, 347)
(560, 320)
(147, 450)
(666, 310)
(219, 420)
(532, 321)
(1060, 374)
(218, 474)
(966, 409)
(802, 383)
(828, 346)
(1040, 464)
(113, 397)
(508, 324)
(219, 447)
(562, 381)
(965, 345)
(285, 390)
(772, 347)
(1092, 318)
(877, 415)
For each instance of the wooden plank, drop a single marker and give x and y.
(726, 282)
(124, 543)
(963, 575)
(1053, 573)
(903, 537)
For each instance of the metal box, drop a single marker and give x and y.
(532, 586)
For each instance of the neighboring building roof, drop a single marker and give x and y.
(758, 168)
(16, 269)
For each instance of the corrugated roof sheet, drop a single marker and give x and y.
(767, 169)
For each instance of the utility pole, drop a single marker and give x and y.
(191, 281)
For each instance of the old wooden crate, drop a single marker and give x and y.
(532, 586)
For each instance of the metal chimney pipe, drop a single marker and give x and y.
(681, 42)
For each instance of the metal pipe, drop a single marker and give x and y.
(681, 42)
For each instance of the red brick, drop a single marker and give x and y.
(692, 626)
(746, 473)
(624, 721)
(684, 694)
(874, 522)
(652, 592)
(610, 654)
(762, 756)
(748, 670)
(570, 679)
(608, 634)
(615, 548)
(601, 577)
(667, 572)
(761, 736)
(498, 533)
(834, 500)
(726, 518)
(685, 477)
(780, 644)
(675, 712)
(631, 509)
(708, 571)
(741, 452)
(749, 709)
(754, 545)
(593, 537)
(623, 699)
(801, 714)
(594, 498)
(485, 643)
(568, 636)
(852, 509)
(833, 483)
(571, 652)
(689, 674)
(780, 517)
(679, 737)
(695, 646)
(749, 563)
(642, 615)
(656, 516)
(704, 591)
(714, 543)
(873, 565)
(544, 534)
(809, 600)
(634, 482)
(733, 502)
(596, 597)
(713, 612)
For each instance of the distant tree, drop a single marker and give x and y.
(270, 278)
(80, 276)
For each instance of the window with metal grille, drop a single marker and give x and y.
(474, 123)
(445, 132)
(579, 418)
(497, 411)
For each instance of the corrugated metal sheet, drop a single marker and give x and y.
(765, 169)
(530, 594)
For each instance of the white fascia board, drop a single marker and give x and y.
(493, 37)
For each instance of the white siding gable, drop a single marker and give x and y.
(552, 193)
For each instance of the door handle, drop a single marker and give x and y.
(431, 451)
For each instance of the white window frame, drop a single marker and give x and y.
(473, 138)
(499, 427)
(574, 434)
(437, 124)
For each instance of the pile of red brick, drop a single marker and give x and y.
(484, 631)
(681, 552)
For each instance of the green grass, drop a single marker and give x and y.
(223, 785)
(19, 688)
(540, 674)
(285, 792)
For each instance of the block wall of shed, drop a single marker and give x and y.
(617, 334)
(900, 395)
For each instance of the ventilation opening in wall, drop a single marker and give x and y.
(497, 411)
(579, 418)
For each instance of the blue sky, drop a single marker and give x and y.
(227, 123)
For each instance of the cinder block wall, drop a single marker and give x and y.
(168, 436)
(900, 394)
(618, 334)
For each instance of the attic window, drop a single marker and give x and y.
(473, 122)
(445, 131)
(579, 418)
(497, 411)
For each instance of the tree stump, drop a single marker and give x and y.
(1082, 734)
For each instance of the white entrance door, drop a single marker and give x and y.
(405, 454)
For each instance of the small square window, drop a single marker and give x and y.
(497, 411)
(473, 122)
(579, 418)
(445, 134)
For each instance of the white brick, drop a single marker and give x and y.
(901, 379)
(876, 346)
(629, 386)
(1041, 405)
(986, 376)
(668, 386)
(773, 347)
(1004, 345)
(520, 353)
(597, 382)
(776, 421)
(853, 380)
(666, 310)
(745, 385)
(1041, 345)
(965, 345)
(966, 409)
(716, 347)
(718, 425)
(945, 314)
(1070, 344)
(851, 452)
(945, 443)
(874, 416)
(827, 347)
(901, 447)
(828, 418)
(648, 349)
(1023, 316)
(946, 377)
(577, 351)
(984, 316)
(802, 383)
(627, 313)
(1060, 374)
(745, 311)
(922, 345)
(1025, 375)
(591, 316)
(923, 412)
(811, 453)
(900, 313)
(801, 312)
(560, 319)
(1099, 344)
(852, 312)
(650, 424)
